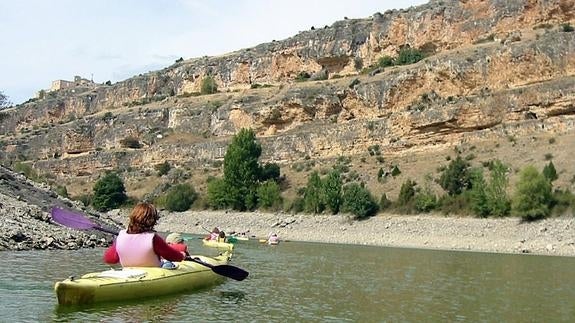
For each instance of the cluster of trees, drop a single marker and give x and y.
(469, 190)
(247, 185)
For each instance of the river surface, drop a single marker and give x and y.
(313, 282)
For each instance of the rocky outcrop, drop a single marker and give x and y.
(26, 222)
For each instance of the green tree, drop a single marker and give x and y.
(477, 194)
(109, 192)
(358, 201)
(208, 85)
(269, 195)
(455, 178)
(270, 171)
(332, 187)
(180, 198)
(550, 172)
(496, 191)
(218, 197)
(312, 198)
(4, 103)
(406, 192)
(242, 170)
(532, 198)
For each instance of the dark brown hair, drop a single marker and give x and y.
(143, 218)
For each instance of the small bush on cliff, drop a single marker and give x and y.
(408, 55)
(131, 142)
(550, 172)
(180, 198)
(109, 192)
(208, 85)
(163, 168)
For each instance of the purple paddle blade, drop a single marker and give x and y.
(76, 220)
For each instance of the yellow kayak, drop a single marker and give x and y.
(139, 282)
(218, 244)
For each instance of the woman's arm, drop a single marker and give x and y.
(162, 249)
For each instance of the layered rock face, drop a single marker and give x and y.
(493, 68)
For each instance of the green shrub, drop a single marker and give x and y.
(302, 76)
(385, 61)
(550, 172)
(408, 55)
(270, 171)
(109, 192)
(425, 201)
(217, 194)
(406, 192)
(61, 190)
(269, 196)
(358, 201)
(563, 201)
(86, 199)
(163, 168)
(26, 169)
(567, 27)
(180, 198)
(208, 85)
(532, 198)
(131, 142)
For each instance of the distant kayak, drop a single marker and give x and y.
(270, 242)
(139, 282)
(218, 244)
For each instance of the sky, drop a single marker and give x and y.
(112, 40)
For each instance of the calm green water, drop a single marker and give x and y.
(310, 282)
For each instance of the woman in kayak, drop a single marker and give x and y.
(139, 245)
(214, 235)
(176, 241)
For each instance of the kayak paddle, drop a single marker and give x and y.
(76, 220)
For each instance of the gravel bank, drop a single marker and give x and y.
(508, 235)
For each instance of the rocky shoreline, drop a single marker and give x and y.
(555, 236)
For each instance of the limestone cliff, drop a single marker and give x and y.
(493, 68)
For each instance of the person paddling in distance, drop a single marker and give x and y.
(176, 241)
(214, 234)
(139, 245)
(273, 239)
